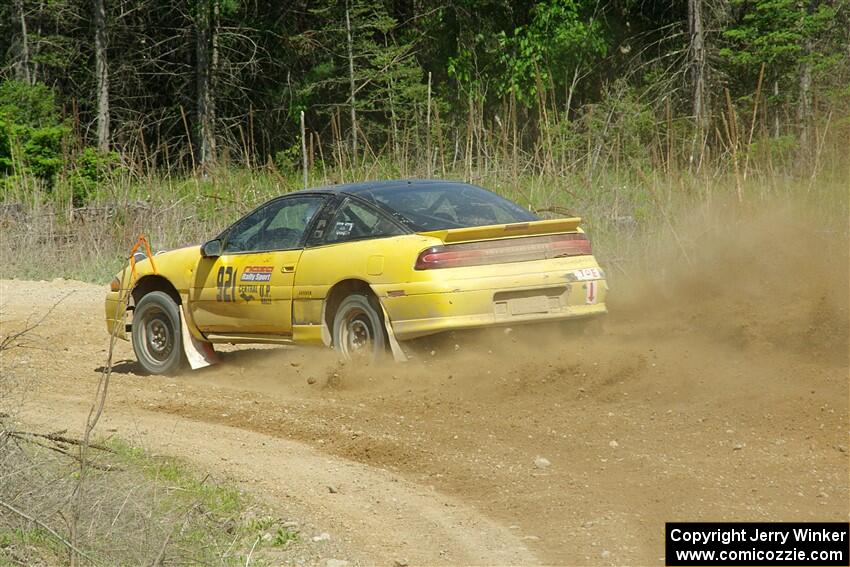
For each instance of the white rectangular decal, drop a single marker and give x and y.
(587, 274)
(590, 290)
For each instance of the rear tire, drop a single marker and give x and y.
(157, 337)
(358, 329)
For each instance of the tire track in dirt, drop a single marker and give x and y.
(372, 515)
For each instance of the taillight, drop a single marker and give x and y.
(571, 245)
(504, 251)
(448, 257)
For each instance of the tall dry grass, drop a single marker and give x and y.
(628, 167)
(44, 238)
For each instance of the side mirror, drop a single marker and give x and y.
(211, 249)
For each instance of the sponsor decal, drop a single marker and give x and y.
(249, 292)
(591, 294)
(257, 274)
(343, 229)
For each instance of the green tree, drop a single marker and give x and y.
(781, 35)
(555, 47)
(31, 133)
(387, 79)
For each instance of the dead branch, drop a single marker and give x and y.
(158, 561)
(91, 422)
(49, 530)
(58, 438)
(28, 438)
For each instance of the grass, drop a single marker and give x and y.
(284, 536)
(181, 484)
(629, 197)
(37, 545)
(140, 508)
(223, 506)
(623, 209)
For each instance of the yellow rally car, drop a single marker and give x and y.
(358, 267)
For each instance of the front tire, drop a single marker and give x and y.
(157, 337)
(358, 329)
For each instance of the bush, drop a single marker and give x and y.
(42, 150)
(620, 126)
(779, 151)
(28, 105)
(289, 160)
(91, 168)
(31, 133)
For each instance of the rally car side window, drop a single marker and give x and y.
(280, 225)
(355, 221)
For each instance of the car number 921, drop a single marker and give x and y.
(225, 284)
(588, 274)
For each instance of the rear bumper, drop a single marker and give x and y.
(428, 313)
(116, 319)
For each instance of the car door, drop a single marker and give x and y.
(341, 247)
(247, 290)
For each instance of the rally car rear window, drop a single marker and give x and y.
(450, 205)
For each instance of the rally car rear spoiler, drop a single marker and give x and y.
(532, 228)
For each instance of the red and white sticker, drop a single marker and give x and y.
(588, 274)
(591, 294)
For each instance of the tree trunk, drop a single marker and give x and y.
(697, 63)
(776, 109)
(304, 167)
(22, 69)
(428, 129)
(102, 71)
(393, 119)
(351, 84)
(804, 107)
(206, 58)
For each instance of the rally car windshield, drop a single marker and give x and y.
(448, 205)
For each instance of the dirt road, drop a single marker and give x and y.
(708, 398)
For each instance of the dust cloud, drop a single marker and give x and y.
(749, 282)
